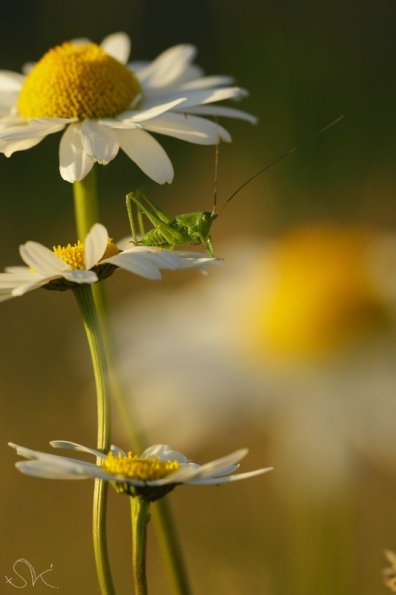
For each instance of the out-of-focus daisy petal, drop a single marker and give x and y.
(117, 45)
(10, 82)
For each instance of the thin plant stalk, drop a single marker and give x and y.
(86, 207)
(85, 299)
(170, 546)
(139, 518)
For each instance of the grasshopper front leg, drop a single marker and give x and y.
(158, 218)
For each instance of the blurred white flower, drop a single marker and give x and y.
(105, 104)
(88, 262)
(151, 475)
(293, 337)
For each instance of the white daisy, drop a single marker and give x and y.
(149, 475)
(105, 104)
(64, 267)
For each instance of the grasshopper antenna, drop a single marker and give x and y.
(280, 158)
(215, 177)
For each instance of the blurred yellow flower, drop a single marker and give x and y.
(321, 293)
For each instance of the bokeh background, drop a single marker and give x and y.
(288, 349)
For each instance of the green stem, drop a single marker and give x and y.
(170, 546)
(85, 299)
(86, 214)
(139, 518)
(86, 206)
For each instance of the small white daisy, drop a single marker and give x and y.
(105, 104)
(64, 267)
(149, 475)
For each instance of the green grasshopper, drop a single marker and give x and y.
(194, 227)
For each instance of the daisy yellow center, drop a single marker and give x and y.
(74, 255)
(135, 467)
(77, 81)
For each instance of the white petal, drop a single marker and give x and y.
(57, 467)
(196, 260)
(203, 96)
(147, 153)
(188, 128)
(117, 45)
(220, 110)
(99, 142)
(164, 453)
(37, 455)
(41, 259)
(9, 279)
(206, 82)
(27, 67)
(67, 445)
(139, 264)
(95, 245)
(81, 277)
(25, 288)
(151, 112)
(26, 129)
(49, 470)
(4, 296)
(163, 259)
(184, 474)
(221, 464)
(119, 122)
(168, 67)
(11, 82)
(220, 480)
(74, 163)
(17, 269)
(12, 146)
(192, 72)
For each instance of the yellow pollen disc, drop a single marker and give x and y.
(135, 467)
(77, 81)
(74, 255)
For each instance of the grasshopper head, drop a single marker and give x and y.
(205, 222)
